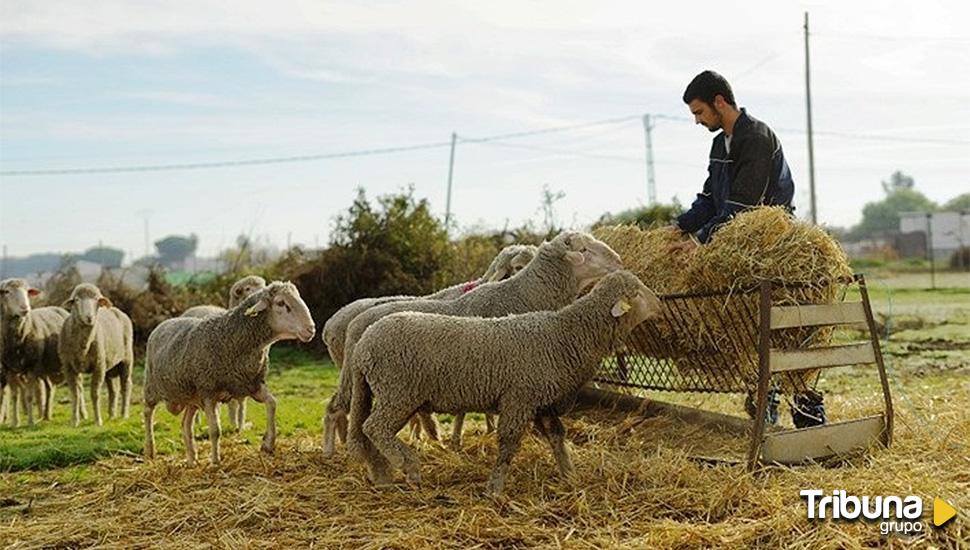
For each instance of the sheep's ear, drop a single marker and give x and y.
(575, 258)
(654, 306)
(257, 307)
(104, 302)
(499, 274)
(32, 292)
(620, 307)
(68, 304)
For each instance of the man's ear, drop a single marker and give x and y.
(104, 302)
(32, 292)
(620, 307)
(575, 258)
(256, 308)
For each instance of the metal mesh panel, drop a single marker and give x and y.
(708, 343)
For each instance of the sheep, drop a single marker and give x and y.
(239, 291)
(28, 348)
(509, 261)
(97, 340)
(562, 268)
(526, 367)
(193, 363)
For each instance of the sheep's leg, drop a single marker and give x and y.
(30, 391)
(511, 426)
(555, 433)
(337, 409)
(456, 428)
(3, 404)
(15, 397)
(489, 423)
(233, 407)
(188, 417)
(381, 428)
(97, 380)
(242, 414)
(82, 405)
(112, 397)
(379, 469)
(430, 425)
(149, 417)
(266, 398)
(125, 383)
(212, 418)
(48, 398)
(74, 383)
(414, 425)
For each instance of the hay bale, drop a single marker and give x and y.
(710, 334)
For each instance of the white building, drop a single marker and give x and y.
(948, 230)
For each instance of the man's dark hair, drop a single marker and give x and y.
(707, 85)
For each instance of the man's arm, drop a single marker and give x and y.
(752, 172)
(700, 212)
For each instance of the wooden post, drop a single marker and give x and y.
(874, 338)
(764, 376)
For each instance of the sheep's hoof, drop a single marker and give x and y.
(455, 446)
(328, 452)
(267, 448)
(414, 478)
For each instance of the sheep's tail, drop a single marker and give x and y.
(361, 402)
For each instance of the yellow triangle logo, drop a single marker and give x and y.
(942, 511)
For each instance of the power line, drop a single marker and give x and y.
(301, 158)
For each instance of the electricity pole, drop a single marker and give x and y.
(808, 110)
(651, 183)
(451, 171)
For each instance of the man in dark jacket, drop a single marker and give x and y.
(747, 168)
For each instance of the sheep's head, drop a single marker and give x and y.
(244, 288)
(590, 257)
(632, 302)
(15, 297)
(287, 314)
(85, 302)
(509, 261)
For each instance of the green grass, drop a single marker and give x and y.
(300, 382)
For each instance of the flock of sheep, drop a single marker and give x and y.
(518, 342)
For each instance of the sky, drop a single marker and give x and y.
(160, 83)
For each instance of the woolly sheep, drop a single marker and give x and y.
(524, 367)
(509, 261)
(194, 363)
(96, 339)
(239, 291)
(562, 268)
(28, 348)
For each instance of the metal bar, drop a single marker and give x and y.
(817, 315)
(883, 379)
(764, 376)
(823, 357)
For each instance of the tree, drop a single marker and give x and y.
(175, 248)
(644, 216)
(958, 203)
(898, 181)
(549, 200)
(883, 216)
(104, 255)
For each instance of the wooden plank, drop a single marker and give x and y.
(813, 358)
(795, 446)
(817, 315)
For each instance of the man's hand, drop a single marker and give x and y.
(684, 247)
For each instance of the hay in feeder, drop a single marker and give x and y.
(705, 337)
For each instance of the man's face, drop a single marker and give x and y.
(705, 114)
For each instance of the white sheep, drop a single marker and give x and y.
(562, 268)
(239, 291)
(194, 363)
(28, 348)
(509, 261)
(527, 368)
(96, 339)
